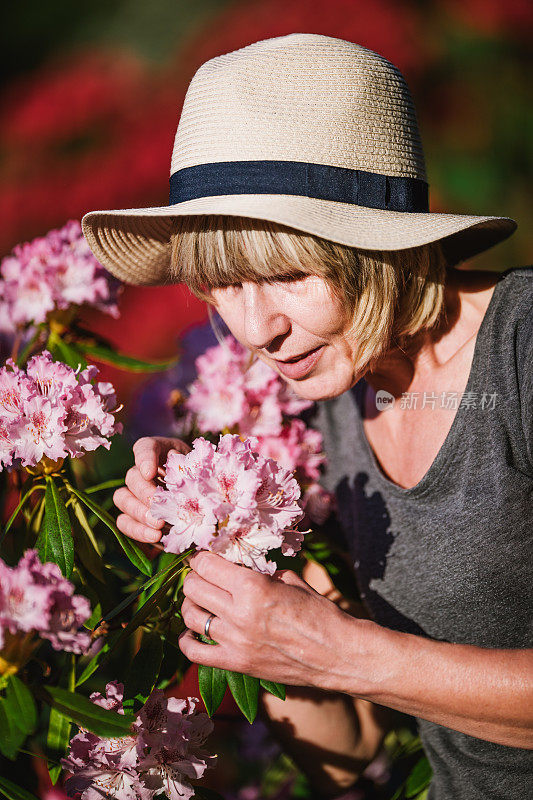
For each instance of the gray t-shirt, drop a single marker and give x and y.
(450, 558)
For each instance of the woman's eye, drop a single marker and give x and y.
(287, 278)
(232, 287)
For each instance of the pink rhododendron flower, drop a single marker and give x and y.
(162, 754)
(231, 500)
(49, 273)
(247, 545)
(234, 391)
(296, 447)
(36, 597)
(51, 410)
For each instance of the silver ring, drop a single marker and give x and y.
(208, 625)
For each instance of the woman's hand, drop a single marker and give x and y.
(134, 499)
(277, 628)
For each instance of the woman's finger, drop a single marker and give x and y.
(136, 530)
(151, 451)
(225, 574)
(146, 452)
(128, 503)
(142, 489)
(206, 595)
(212, 655)
(292, 579)
(196, 617)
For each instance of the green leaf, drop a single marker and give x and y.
(143, 613)
(95, 661)
(99, 352)
(11, 737)
(25, 497)
(419, 779)
(58, 734)
(36, 517)
(86, 714)
(55, 542)
(138, 619)
(154, 581)
(134, 553)
(143, 671)
(57, 740)
(20, 706)
(245, 690)
(165, 562)
(63, 351)
(86, 545)
(277, 689)
(113, 483)
(14, 792)
(96, 615)
(212, 682)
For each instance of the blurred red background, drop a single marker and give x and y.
(90, 107)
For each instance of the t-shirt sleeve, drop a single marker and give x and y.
(524, 364)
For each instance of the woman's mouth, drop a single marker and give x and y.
(300, 366)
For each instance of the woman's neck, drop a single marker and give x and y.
(467, 295)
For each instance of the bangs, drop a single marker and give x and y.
(211, 252)
(387, 296)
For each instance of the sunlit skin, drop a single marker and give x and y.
(278, 627)
(281, 320)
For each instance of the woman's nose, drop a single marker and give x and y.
(263, 319)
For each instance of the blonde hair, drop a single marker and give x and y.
(389, 295)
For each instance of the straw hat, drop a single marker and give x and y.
(316, 133)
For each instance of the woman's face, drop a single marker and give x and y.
(298, 327)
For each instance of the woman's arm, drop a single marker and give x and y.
(485, 693)
(331, 737)
(281, 630)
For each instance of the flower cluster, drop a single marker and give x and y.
(230, 500)
(233, 392)
(35, 597)
(162, 754)
(52, 272)
(49, 410)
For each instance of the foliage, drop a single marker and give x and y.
(73, 599)
(79, 601)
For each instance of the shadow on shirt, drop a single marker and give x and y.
(366, 524)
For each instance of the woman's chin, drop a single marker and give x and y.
(323, 385)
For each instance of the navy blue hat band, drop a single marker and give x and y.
(342, 185)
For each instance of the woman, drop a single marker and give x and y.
(298, 208)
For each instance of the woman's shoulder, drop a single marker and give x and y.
(516, 307)
(517, 310)
(508, 331)
(517, 294)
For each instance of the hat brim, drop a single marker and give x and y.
(134, 243)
